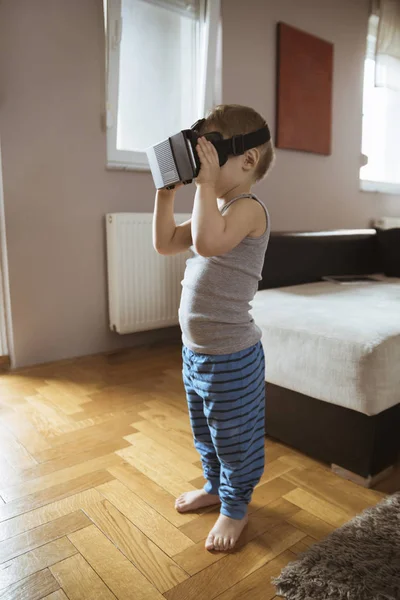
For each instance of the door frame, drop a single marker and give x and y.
(6, 332)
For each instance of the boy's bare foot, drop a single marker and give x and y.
(194, 500)
(225, 533)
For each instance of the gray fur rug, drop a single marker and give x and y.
(359, 561)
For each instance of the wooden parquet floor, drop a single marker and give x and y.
(92, 454)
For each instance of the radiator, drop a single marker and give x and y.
(387, 223)
(144, 288)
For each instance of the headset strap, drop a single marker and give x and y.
(238, 144)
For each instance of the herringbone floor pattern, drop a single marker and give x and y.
(92, 455)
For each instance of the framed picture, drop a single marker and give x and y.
(304, 91)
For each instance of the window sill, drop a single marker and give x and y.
(379, 187)
(122, 166)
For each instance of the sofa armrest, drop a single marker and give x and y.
(296, 258)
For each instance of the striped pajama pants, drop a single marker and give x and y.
(226, 399)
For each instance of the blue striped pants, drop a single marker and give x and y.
(226, 399)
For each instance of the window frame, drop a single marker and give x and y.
(367, 185)
(210, 84)
(379, 187)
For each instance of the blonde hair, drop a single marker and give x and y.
(234, 119)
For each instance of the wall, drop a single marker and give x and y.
(57, 189)
(306, 191)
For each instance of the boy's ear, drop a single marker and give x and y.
(250, 159)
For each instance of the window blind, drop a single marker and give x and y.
(187, 8)
(387, 46)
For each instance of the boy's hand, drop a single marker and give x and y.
(209, 161)
(169, 193)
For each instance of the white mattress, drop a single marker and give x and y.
(337, 343)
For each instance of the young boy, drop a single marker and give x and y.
(223, 359)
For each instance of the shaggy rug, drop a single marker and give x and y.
(359, 561)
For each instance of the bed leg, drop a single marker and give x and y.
(367, 482)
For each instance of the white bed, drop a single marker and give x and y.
(337, 343)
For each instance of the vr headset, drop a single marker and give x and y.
(175, 160)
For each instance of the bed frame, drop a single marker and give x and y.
(359, 447)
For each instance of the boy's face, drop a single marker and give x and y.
(231, 175)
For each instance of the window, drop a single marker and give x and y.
(381, 127)
(163, 72)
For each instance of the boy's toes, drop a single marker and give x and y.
(226, 532)
(219, 543)
(210, 542)
(180, 505)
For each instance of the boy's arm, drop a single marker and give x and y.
(213, 233)
(169, 238)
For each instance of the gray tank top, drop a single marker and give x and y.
(216, 295)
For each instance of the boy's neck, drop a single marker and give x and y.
(233, 193)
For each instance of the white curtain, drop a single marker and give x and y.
(387, 50)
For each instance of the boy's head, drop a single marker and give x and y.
(251, 167)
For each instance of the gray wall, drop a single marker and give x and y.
(57, 189)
